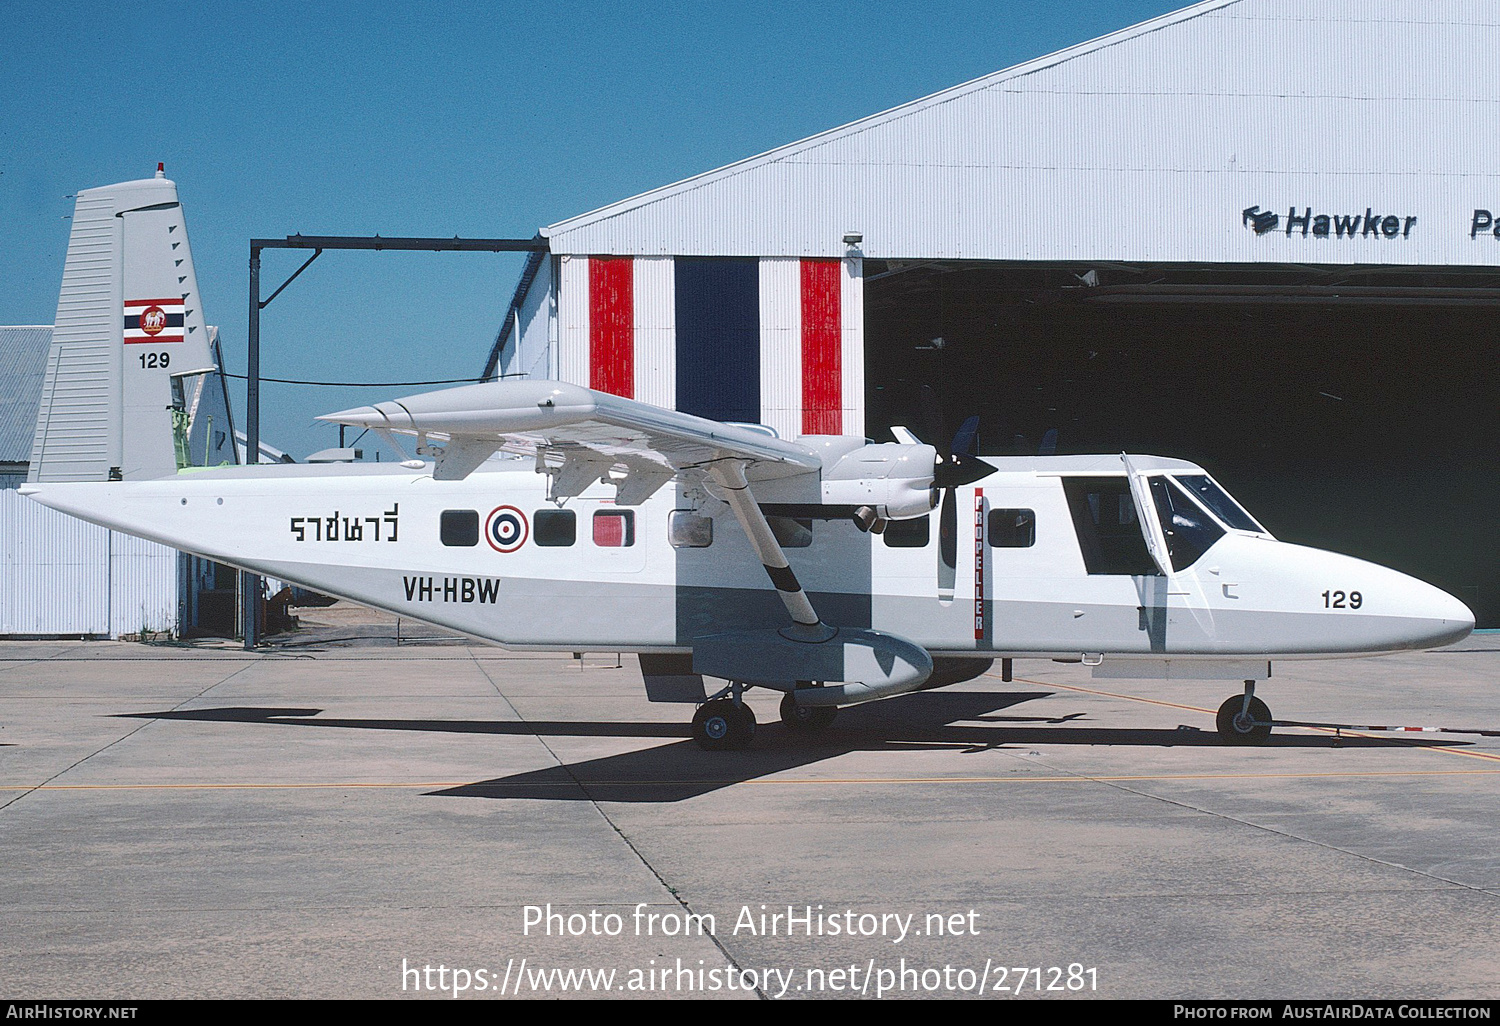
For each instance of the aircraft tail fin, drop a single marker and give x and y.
(129, 329)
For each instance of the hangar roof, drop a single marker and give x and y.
(23, 359)
(1158, 143)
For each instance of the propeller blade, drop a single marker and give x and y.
(1049, 443)
(956, 465)
(948, 528)
(968, 432)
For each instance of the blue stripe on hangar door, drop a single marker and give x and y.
(718, 337)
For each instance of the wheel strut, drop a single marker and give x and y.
(724, 720)
(1244, 719)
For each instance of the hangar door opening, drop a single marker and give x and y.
(1350, 409)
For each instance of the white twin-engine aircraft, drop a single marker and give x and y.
(550, 516)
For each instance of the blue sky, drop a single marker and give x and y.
(480, 119)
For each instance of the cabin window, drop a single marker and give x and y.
(1206, 490)
(689, 530)
(1109, 534)
(614, 528)
(791, 532)
(554, 527)
(459, 527)
(1189, 530)
(1012, 528)
(908, 534)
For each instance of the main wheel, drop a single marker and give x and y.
(721, 724)
(1236, 728)
(806, 719)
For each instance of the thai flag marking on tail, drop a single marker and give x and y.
(154, 321)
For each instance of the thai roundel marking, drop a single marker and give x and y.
(505, 529)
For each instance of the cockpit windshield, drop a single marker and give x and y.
(1189, 531)
(1206, 491)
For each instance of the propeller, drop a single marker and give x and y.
(955, 466)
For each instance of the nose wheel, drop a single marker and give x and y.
(1244, 719)
(723, 724)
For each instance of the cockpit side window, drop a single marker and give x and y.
(1189, 530)
(1109, 534)
(1206, 490)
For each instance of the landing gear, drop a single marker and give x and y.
(723, 723)
(1244, 719)
(806, 719)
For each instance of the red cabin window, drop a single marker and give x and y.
(614, 528)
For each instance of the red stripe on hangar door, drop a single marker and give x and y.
(612, 325)
(822, 365)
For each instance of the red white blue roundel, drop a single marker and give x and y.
(505, 529)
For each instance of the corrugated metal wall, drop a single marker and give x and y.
(853, 369)
(61, 576)
(822, 300)
(725, 338)
(573, 320)
(655, 332)
(612, 325)
(1145, 145)
(143, 591)
(781, 345)
(529, 352)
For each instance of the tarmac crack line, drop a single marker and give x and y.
(144, 724)
(583, 788)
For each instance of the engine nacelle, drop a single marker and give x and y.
(893, 479)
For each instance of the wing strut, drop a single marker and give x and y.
(729, 475)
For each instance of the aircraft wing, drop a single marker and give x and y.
(577, 435)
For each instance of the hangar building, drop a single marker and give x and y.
(1259, 234)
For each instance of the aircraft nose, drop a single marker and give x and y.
(1363, 607)
(1443, 619)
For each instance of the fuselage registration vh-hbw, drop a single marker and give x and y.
(830, 568)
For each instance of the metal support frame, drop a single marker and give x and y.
(250, 583)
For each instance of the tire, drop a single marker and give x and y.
(806, 719)
(714, 725)
(720, 725)
(1236, 731)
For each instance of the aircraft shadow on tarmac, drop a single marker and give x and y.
(924, 721)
